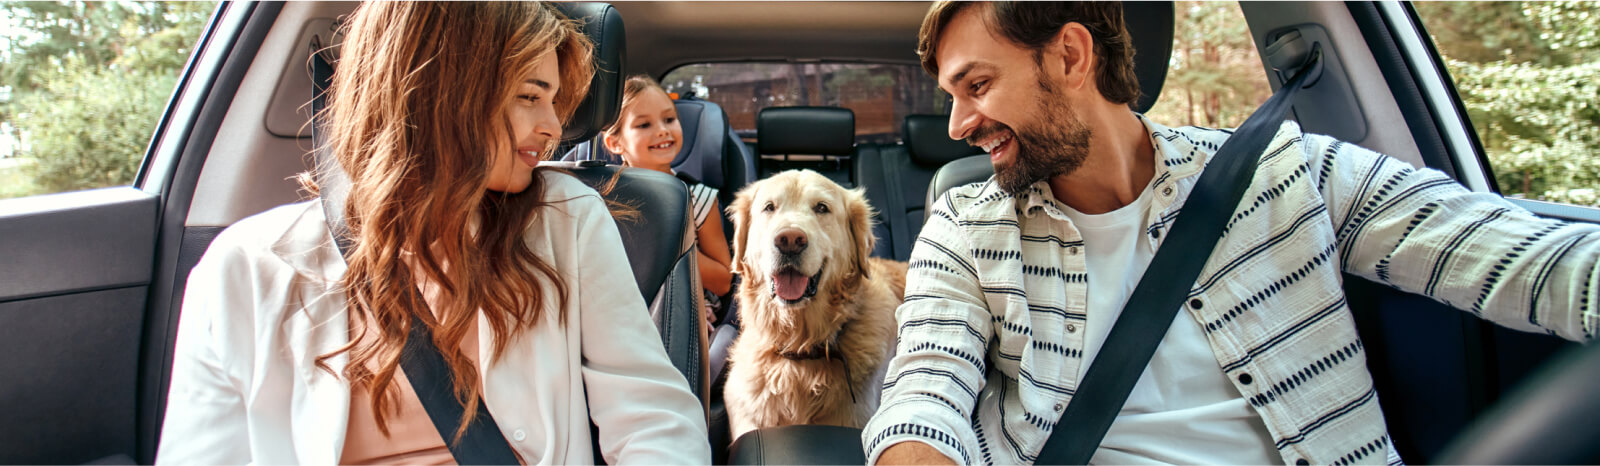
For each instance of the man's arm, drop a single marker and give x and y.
(1419, 231)
(933, 382)
(911, 452)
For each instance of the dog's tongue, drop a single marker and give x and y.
(791, 285)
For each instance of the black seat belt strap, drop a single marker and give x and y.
(1167, 281)
(424, 365)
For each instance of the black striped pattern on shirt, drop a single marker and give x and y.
(1278, 285)
(1306, 373)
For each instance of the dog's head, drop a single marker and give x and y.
(798, 232)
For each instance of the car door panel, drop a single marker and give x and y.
(72, 292)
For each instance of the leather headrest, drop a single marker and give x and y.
(806, 130)
(928, 140)
(1150, 25)
(603, 24)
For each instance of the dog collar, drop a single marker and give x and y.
(820, 352)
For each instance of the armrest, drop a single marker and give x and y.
(807, 444)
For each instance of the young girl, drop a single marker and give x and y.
(647, 135)
(288, 353)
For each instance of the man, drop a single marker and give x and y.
(1015, 283)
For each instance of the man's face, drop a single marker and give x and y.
(1005, 103)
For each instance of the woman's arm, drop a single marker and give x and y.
(714, 255)
(641, 403)
(205, 420)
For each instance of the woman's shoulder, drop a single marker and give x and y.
(259, 233)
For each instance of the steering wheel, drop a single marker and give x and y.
(1549, 419)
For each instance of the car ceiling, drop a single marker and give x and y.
(664, 35)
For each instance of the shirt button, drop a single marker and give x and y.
(1059, 407)
(1072, 328)
(1072, 250)
(1196, 304)
(1155, 234)
(519, 435)
(1167, 191)
(1302, 462)
(1246, 379)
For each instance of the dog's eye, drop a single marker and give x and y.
(820, 208)
(770, 207)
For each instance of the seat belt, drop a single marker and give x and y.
(425, 366)
(1167, 281)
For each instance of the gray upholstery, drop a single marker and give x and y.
(907, 169)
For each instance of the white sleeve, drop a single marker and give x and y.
(205, 418)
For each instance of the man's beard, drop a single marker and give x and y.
(1055, 143)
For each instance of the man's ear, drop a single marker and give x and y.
(1073, 45)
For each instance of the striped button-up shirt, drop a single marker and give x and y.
(991, 333)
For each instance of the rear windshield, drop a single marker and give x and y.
(880, 94)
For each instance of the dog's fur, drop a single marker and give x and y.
(850, 318)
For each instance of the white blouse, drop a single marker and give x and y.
(264, 303)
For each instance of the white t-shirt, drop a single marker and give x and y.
(1183, 410)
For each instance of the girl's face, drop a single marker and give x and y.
(534, 127)
(650, 135)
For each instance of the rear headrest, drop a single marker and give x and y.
(1150, 25)
(806, 130)
(928, 140)
(603, 24)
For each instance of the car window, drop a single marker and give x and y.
(82, 87)
(1215, 79)
(1522, 71)
(880, 94)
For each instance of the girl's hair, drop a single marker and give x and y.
(418, 104)
(631, 89)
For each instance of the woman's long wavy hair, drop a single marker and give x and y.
(417, 106)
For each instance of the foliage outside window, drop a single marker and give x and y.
(82, 86)
(1214, 78)
(1524, 72)
(881, 95)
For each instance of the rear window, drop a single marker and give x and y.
(880, 94)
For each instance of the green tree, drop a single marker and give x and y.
(1215, 78)
(1523, 71)
(86, 82)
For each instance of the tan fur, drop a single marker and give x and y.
(855, 292)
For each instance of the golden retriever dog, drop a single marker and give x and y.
(818, 312)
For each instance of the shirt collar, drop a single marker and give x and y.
(1172, 163)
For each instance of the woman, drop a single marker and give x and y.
(288, 353)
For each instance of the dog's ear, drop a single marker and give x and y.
(739, 211)
(860, 217)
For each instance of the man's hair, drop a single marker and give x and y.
(1031, 25)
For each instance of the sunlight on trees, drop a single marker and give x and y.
(82, 87)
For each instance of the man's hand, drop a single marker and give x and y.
(910, 452)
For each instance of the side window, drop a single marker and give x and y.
(1523, 71)
(1215, 79)
(82, 87)
(880, 94)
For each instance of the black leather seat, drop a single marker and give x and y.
(656, 243)
(829, 132)
(897, 178)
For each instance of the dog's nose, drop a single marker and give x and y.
(790, 241)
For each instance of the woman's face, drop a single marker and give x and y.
(649, 135)
(534, 127)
